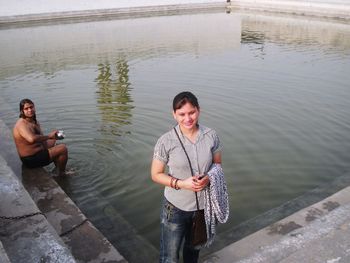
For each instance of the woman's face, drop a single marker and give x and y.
(187, 116)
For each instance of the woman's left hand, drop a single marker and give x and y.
(200, 182)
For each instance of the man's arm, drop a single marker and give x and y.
(50, 142)
(29, 135)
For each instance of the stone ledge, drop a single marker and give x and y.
(112, 13)
(85, 242)
(3, 255)
(23, 227)
(328, 9)
(298, 237)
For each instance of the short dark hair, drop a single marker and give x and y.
(185, 97)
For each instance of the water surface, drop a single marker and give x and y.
(276, 89)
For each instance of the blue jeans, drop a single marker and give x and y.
(175, 228)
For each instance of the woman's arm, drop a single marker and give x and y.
(217, 157)
(158, 176)
(157, 173)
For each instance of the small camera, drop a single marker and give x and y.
(60, 135)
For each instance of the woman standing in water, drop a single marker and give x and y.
(179, 205)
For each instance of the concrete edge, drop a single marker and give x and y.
(86, 243)
(23, 227)
(286, 236)
(113, 13)
(3, 255)
(278, 213)
(305, 8)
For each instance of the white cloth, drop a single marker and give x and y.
(216, 206)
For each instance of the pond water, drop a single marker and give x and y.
(276, 89)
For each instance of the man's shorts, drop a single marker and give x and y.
(39, 159)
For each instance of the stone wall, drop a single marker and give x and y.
(16, 7)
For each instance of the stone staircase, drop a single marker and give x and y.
(26, 235)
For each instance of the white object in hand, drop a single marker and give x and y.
(60, 135)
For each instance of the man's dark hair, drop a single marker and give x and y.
(21, 106)
(185, 97)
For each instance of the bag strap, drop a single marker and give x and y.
(189, 162)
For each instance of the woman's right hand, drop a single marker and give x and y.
(188, 184)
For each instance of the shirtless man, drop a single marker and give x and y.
(34, 148)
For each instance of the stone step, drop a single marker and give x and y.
(25, 233)
(85, 242)
(3, 255)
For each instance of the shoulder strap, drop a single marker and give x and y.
(189, 162)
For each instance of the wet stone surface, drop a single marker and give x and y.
(330, 205)
(313, 214)
(85, 242)
(283, 228)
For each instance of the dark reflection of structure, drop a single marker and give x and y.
(114, 98)
(252, 37)
(256, 38)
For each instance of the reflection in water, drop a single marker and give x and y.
(257, 39)
(252, 37)
(296, 32)
(114, 100)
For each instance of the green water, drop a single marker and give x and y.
(276, 89)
